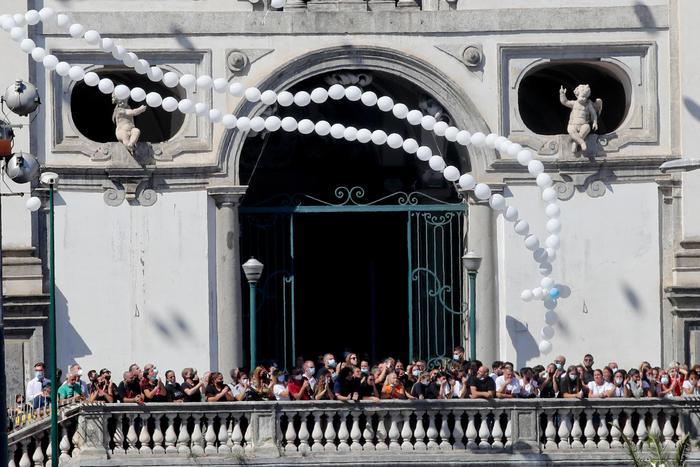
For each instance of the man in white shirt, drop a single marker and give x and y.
(35, 385)
(507, 385)
(598, 388)
(310, 371)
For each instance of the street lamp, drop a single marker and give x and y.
(471, 262)
(253, 270)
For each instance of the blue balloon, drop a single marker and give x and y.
(554, 292)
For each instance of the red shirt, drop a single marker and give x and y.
(293, 387)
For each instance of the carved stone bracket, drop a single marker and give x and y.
(238, 61)
(130, 176)
(570, 182)
(471, 55)
(133, 190)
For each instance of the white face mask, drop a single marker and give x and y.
(80, 373)
(244, 381)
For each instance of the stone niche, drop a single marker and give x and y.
(530, 111)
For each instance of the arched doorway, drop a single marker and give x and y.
(361, 244)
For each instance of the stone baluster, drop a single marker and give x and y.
(329, 434)
(11, 460)
(432, 432)
(615, 433)
(471, 432)
(317, 434)
(381, 432)
(343, 433)
(210, 437)
(564, 429)
(394, 432)
(368, 434)
(237, 437)
(589, 431)
(508, 432)
(497, 431)
(304, 447)
(655, 429)
(118, 436)
(38, 455)
(131, 437)
(668, 431)
(197, 440)
(229, 433)
(642, 432)
(628, 430)
(158, 437)
(170, 436)
(183, 438)
(576, 432)
(419, 433)
(355, 432)
(290, 435)
(484, 432)
(63, 446)
(406, 432)
(247, 438)
(24, 461)
(224, 440)
(550, 432)
(458, 431)
(11, 455)
(603, 432)
(680, 432)
(144, 437)
(445, 432)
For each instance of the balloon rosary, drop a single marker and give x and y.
(547, 290)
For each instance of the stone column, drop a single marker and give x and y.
(481, 239)
(229, 308)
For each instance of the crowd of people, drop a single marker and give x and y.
(355, 379)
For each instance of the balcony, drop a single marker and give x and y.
(498, 432)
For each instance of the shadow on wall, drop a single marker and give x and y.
(69, 344)
(632, 297)
(173, 327)
(523, 342)
(692, 107)
(644, 15)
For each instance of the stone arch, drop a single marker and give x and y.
(445, 91)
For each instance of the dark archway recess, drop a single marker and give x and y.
(289, 163)
(92, 110)
(538, 95)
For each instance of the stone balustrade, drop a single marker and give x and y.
(534, 429)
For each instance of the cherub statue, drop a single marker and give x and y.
(123, 117)
(584, 115)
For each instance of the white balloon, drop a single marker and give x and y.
(138, 94)
(491, 140)
(201, 109)
(319, 96)
(215, 115)
(464, 137)
(19, 19)
(243, 124)
(336, 92)
(220, 85)
(368, 98)
(228, 120)
(62, 68)
(169, 104)
(547, 332)
(545, 347)
(482, 191)
(91, 78)
(257, 123)
(285, 98)
(545, 269)
(521, 227)
(253, 94)
(451, 133)
(551, 318)
(205, 82)
(514, 149)
(76, 73)
(538, 293)
(63, 21)
(497, 202)
(107, 44)
(17, 34)
(379, 137)
(424, 153)
(511, 213)
(524, 157)
(27, 45)
(400, 110)
(364, 135)
(413, 117)
(440, 128)
(50, 62)
(32, 17)
(553, 226)
(553, 242)
(535, 167)
(552, 210)
(277, 4)
(33, 203)
(547, 283)
(532, 242)
(155, 74)
(394, 141)
(428, 122)
(92, 37)
(76, 30)
(188, 81)
(153, 99)
(544, 180)
(410, 145)
(451, 173)
(478, 139)
(186, 106)
(539, 255)
(350, 133)
(119, 52)
(551, 254)
(142, 66)
(47, 13)
(466, 182)
(322, 127)
(353, 93)
(337, 130)
(302, 98)
(171, 79)
(501, 144)
(526, 295)
(6, 22)
(122, 92)
(306, 126)
(236, 89)
(385, 103)
(549, 194)
(437, 163)
(289, 124)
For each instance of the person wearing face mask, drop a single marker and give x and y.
(571, 384)
(173, 388)
(507, 385)
(481, 386)
(35, 385)
(77, 370)
(309, 374)
(550, 384)
(424, 388)
(458, 354)
(664, 386)
(620, 380)
(152, 386)
(324, 388)
(529, 387)
(298, 386)
(690, 385)
(216, 390)
(588, 368)
(102, 388)
(637, 386)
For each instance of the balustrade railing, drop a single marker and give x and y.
(551, 429)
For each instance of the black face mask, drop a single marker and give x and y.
(108, 377)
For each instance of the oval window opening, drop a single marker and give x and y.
(538, 95)
(92, 110)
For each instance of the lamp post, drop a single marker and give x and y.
(471, 262)
(253, 270)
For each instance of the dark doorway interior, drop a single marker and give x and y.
(351, 284)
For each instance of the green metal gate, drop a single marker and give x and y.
(434, 239)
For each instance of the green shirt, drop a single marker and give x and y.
(66, 391)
